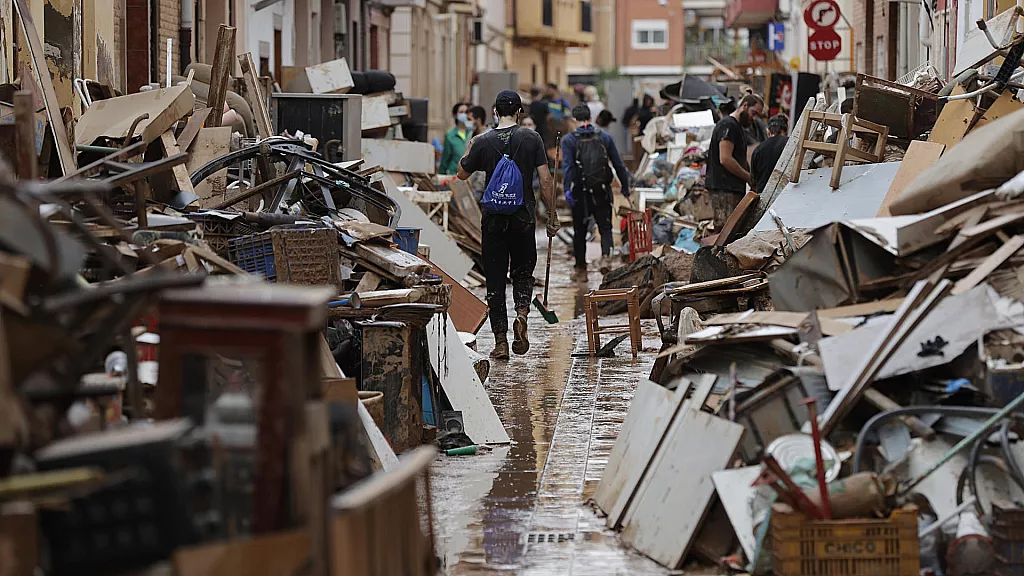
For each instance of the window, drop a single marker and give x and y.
(586, 16)
(650, 34)
(549, 12)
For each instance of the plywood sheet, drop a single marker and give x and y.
(812, 203)
(676, 493)
(210, 144)
(468, 312)
(332, 77)
(733, 487)
(461, 384)
(919, 156)
(652, 410)
(375, 112)
(443, 250)
(112, 118)
(951, 125)
(399, 155)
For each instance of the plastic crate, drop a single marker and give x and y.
(219, 231)
(1007, 533)
(289, 255)
(805, 547)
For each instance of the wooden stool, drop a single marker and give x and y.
(638, 227)
(594, 328)
(842, 151)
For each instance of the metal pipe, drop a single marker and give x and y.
(953, 514)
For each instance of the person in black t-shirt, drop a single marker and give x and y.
(727, 170)
(508, 240)
(767, 153)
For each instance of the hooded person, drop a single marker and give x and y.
(588, 157)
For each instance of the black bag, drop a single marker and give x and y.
(595, 174)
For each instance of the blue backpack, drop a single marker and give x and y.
(504, 192)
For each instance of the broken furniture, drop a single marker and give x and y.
(632, 327)
(842, 150)
(392, 364)
(432, 202)
(639, 233)
(905, 110)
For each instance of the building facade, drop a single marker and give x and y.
(542, 32)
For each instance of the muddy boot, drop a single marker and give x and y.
(500, 351)
(605, 264)
(579, 274)
(520, 339)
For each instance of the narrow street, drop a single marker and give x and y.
(523, 508)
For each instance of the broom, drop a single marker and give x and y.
(549, 315)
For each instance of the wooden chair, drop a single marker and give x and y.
(638, 228)
(632, 327)
(841, 151)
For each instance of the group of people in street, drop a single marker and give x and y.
(513, 161)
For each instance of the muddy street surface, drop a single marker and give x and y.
(522, 509)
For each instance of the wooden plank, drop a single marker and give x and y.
(257, 99)
(179, 171)
(676, 494)
(370, 281)
(865, 309)
(192, 127)
(25, 135)
(920, 155)
(65, 155)
(114, 117)
(734, 219)
(829, 327)
(278, 553)
(220, 74)
(210, 144)
(978, 275)
(952, 124)
(651, 411)
(461, 384)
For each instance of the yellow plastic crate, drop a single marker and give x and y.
(805, 547)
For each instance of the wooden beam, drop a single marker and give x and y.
(25, 131)
(220, 74)
(179, 170)
(257, 99)
(41, 71)
(978, 275)
(191, 129)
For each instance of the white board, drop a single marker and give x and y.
(332, 77)
(454, 369)
(652, 410)
(676, 493)
(399, 155)
(735, 492)
(444, 252)
(375, 112)
(812, 203)
(378, 442)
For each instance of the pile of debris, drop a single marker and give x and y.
(886, 294)
(179, 310)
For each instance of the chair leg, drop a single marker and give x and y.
(798, 160)
(842, 145)
(590, 324)
(634, 322)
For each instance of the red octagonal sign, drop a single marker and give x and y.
(824, 44)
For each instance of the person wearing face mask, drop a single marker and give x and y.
(728, 171)
(455, 140)
(478, 116)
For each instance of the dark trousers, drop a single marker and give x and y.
(723, 203)
(508, 244)
(599, 206)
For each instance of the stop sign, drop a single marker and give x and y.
(824, 44)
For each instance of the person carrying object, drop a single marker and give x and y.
(509, 155)
(588, 156)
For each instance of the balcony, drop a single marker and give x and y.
(749, 13)
(697, 53)
(555, 22)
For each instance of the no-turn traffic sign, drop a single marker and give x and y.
(821, 14)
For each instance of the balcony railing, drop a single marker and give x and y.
(725, 52)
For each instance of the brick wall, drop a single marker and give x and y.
(169, 19)
(868, 59)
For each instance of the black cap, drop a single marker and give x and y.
(581, 112)
(509, 98)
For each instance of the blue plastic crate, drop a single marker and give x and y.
(254, 254)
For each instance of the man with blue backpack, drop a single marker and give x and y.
(509, 155)
(588, 156)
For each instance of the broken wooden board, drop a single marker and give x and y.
(363, 231)
(395, 262)
(40, 69)
(920, 155)
(375, 112)
(952, 124)
(210, 144)
(180, 172)
(829, 327)
(651, 411)
(192, 127)
(114, 117)
(278, 553)
(461, 384)
(255, 97)
(675, 495)
(399, 155)
(332, 77)
(812, 203)
(734, 491)
(468, 312)
(445, 253)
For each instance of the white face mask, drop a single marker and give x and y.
(468, 123)
(461, 117)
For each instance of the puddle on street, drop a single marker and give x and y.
(521, 509)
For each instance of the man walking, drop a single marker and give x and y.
(455, 140)
(586, 153)
(727, 170)
(508, 234)
(767, 153)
